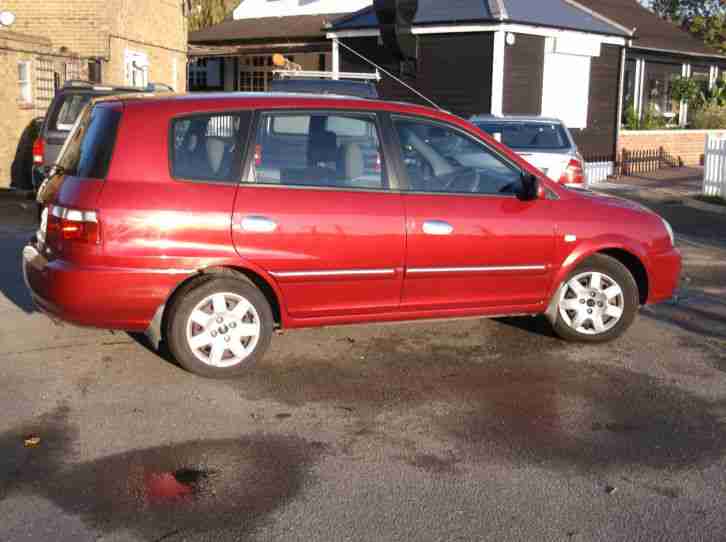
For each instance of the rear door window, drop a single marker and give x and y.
(209, 147)
(89, 148)
(337, 150)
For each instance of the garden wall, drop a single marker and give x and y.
(689, 145)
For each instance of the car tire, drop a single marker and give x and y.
(219, 327)
(597, 303)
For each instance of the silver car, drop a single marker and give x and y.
(546, 143)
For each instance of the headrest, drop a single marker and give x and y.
(352, 157)
(215, 153)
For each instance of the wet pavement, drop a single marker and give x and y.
(466, 430)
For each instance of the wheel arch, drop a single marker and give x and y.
(633, 257)
(264, 283)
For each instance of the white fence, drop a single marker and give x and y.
(714, 171)
(597, 172)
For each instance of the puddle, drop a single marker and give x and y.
(188, 487)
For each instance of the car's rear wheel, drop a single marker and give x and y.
(598, 301)
(219, 327)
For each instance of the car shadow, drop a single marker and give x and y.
(537, 325)
(12, 285)
(162, 352)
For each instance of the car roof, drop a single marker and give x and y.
(277, 100)
(513, 118)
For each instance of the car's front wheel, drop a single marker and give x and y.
(598, 302)
(219, 327)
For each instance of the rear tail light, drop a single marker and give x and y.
(72, 225)
(38, 151)
(573, 174)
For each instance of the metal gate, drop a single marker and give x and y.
(44, 83)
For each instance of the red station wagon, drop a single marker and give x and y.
(210, 220)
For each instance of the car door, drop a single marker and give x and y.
(471, 241)
(316, 213)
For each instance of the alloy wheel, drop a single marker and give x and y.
(223, 330)
(591, 303)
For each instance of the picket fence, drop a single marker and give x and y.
(714, 171)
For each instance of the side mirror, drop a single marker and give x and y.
(530, 187)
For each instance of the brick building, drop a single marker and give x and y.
(112, 42)
(27, 65)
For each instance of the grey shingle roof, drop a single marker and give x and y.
(552, 13)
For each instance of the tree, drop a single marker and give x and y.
(685, 10)
(204, 13)
(705, 19)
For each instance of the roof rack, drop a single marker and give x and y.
(328, 75)
(151, 87)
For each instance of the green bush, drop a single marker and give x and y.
(710, 117)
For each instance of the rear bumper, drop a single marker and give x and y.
(96, 297)
(665, 274)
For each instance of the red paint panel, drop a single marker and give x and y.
(489, 232)
(322, 230)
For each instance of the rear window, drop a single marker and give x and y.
(66, 111)
(209, 147)
(88, 150)
(528, 135)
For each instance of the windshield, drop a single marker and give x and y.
(528, 135)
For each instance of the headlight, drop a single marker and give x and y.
(669, 229)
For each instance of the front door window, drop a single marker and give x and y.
(439, 158)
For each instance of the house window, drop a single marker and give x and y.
(95, 74)
(198, 74)
(137, 69)
(25, 83)
(658, 89)
(256, 73)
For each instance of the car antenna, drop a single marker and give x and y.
(389, 74)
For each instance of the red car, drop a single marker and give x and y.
(210, 221)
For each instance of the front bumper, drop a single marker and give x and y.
(665, 275)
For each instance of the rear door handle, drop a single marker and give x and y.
(258, 224)
(437, 227)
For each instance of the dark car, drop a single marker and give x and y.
(211, 220)
(62, 113)
(361, 89)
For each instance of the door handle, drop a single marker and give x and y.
(437, 227)
(258, 224)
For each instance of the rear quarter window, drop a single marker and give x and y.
(89, 148)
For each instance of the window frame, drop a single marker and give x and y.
(390, 181)
(403, 172)
(244, 139)
(28, 66)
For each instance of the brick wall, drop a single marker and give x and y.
(81, 26)
(16, 115)
(689, 145)
(106, 28)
